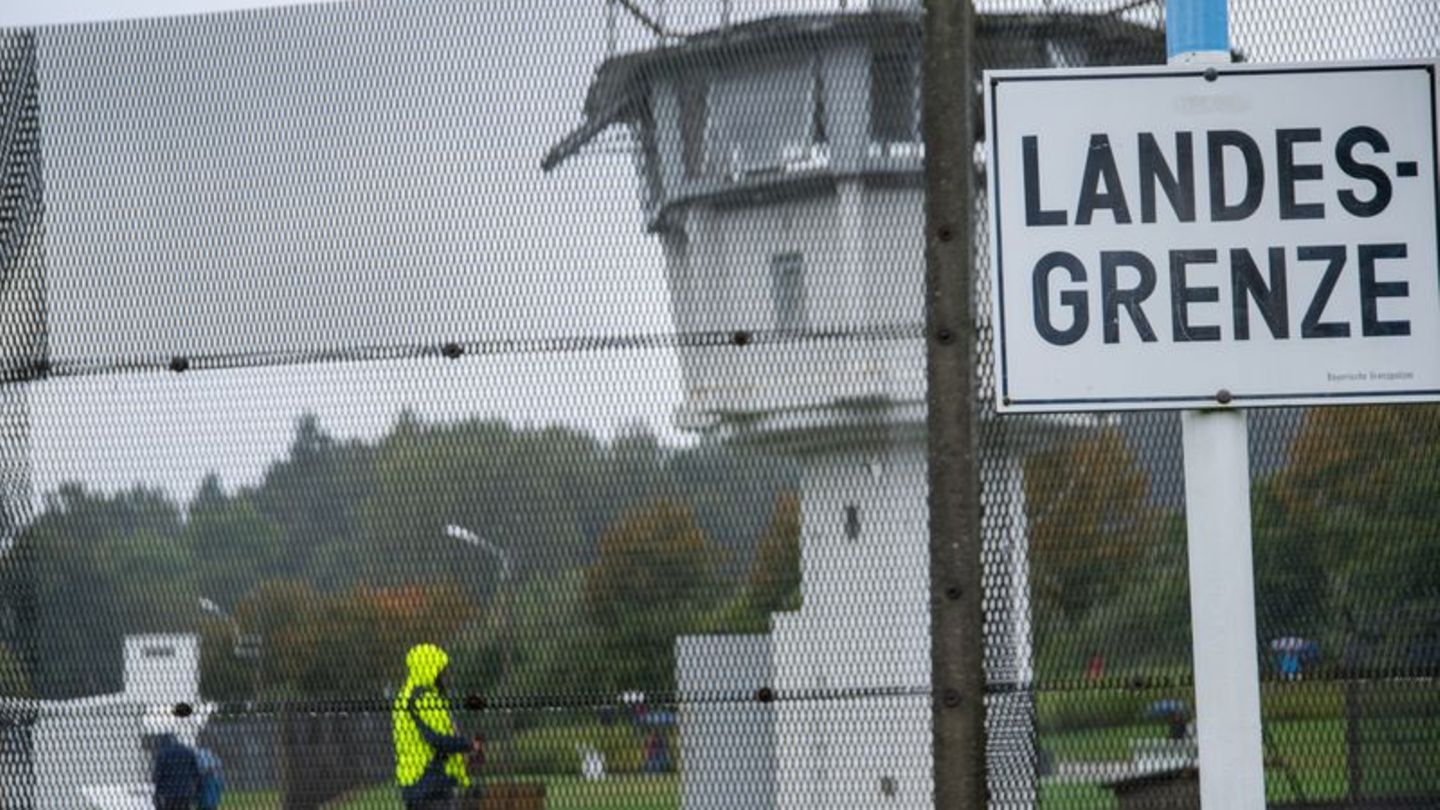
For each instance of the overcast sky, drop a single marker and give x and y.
(318, 178)
(367, 174)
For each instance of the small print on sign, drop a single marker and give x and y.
(1159, 236)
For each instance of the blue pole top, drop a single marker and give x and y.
(1194, 26)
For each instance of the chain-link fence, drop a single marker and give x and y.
(1345, 595)
(583, 340)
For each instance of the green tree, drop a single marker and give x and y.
(554, 652)
(315, 495)
(332, 516)
(1292, 582)
(773, 582)
(286, 616)
(1141, 628)
(236, 546)
(90, 569)
(519, 489)
(1350, 528)
(653, 579)
(223, 675)
(1090, 523)
(364, 634)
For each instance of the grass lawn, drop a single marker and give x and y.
(1097, 744)
(1307, 760)
(1076, 797)
(1397, 761)
(251, 800)
(635, 793)
(565, 793)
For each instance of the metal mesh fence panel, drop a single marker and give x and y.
(315, 364)
(582, 341)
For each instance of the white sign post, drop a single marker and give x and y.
(1209, 237)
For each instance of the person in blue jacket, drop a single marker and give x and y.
(212, 779)
(175, 774)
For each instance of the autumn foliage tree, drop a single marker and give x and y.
(653, 578)
(351, 643)
(1089, 517)
(773, 582)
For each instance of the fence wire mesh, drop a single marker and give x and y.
(583, 340)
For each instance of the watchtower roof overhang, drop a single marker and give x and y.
(618, 92)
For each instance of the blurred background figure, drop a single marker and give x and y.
(212, 779)
(176, 775)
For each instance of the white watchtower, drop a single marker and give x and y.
(781, 167)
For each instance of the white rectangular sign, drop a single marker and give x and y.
(1243, 235)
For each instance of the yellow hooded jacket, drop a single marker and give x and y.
(418, 704)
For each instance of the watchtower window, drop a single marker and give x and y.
(760, 120)
(894, 104)
(694, 101)
(787, 291)
(818, 132)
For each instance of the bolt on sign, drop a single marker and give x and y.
(1242, 235)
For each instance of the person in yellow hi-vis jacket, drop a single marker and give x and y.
(429, 756)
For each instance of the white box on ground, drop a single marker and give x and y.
(1178, 237)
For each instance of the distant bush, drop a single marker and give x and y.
(1102, 707)
(559, 750)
